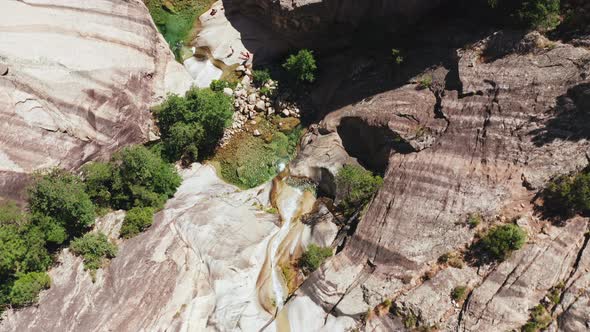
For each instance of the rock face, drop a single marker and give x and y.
(325, 22)
(513, 122)
(195, 269)
(81, 78)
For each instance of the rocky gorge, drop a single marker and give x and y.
(503, 112)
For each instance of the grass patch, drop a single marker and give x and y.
(176, 18)
(248, 161)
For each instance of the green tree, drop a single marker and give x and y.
(95, 249)
(313, 257)
(502, 240)
(26, 288)
(540, 14)
(99, 177)
(191, 126)
(144, 179)
(62, 196)
(136, 221)
(355, 186)
(302, 66)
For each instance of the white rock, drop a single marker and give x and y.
(253, 122)
(241, 69)
(260, 105)
(246, 81)
(252, 99)
(228, 91)
(286, 112)
(256, 132)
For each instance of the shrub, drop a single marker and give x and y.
(425, 82)
(191, 126)
(136, 221)
(397, 56)
(459, 293)
(219, 85)
(355, 187)
(540, 319)
(313, 257)
(62, 196)
(144, 179)
(540, 14)
(26, 288)
(410, 321)
(500, 241)
(301, 66)
(568, 194)
(98, 177)
(474, 219)
(261, 76)
(265, 91)
(94, 248)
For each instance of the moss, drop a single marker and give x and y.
(539, 319)
(474, 219)
(248, 161)
(176, 18)
(425, 82)
(410, 320)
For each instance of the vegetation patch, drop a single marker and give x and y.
(26, 288)
(474, 219)
(459, 293)
(136, 221)
(355, 186)
(135, 177)
(453, 259)
(95, 249)
(301, 66)
(176, 18)
(539, 319)
(313, 257)
(568, 194)
(191, 126)
(248, 161)
(533, 14)
(501, 241)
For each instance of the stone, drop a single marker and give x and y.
(240, 69)
(256, 132)
(252, 99)
(286, 112)
(246, 81)
(260, 106)
(228, 91)
(3, 69)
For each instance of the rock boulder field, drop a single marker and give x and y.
(80, 79)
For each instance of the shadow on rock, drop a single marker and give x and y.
(572, 119)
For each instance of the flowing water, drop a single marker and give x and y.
(288, 205)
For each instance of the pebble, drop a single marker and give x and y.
(286, 112)
(260, 105)
(256, 132)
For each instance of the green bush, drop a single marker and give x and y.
(397, 56)
(301, 66)
(459, 293)
(219, 85)
(355, 186)
(474, 219)
(540, 14)
(26, 288)
(142, 179)
(62, 196)
(425, 82)
(261, 76)
(136, 221)
(500, 241)
(94, 248)
(191, 126)
(540, 319)
(313, 257)
(568, 194)
(98, 178)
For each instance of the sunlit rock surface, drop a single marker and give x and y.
(81, 78)
(195, 269)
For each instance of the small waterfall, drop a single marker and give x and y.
(288, 205)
